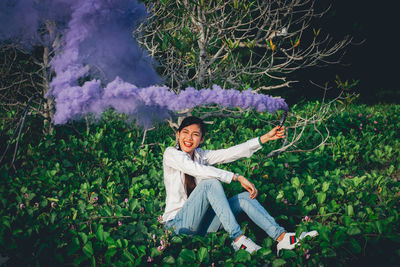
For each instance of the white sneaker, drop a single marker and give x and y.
(246, 244)
(289, 240)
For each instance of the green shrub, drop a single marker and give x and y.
(95, 197)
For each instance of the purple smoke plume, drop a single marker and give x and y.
(20, 20)
(99, 65)
(154, 102)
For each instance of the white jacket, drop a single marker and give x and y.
(176, 163)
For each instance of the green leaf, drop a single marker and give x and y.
(300, 194)
(296, 182)
(187, 255)
(133, 203)
(264, 251)
(321, 196)
(124, 243)
(53, 216)
(350, 210)
(169, 260)
(340, 191)
(176, 239)
(347, 220)
(110, 252)
(242, 256)
(111, 242)
(154, 252)
(325, 186)
(288, 254)
(379, 226)
(268, 242)
(88, 249)
(127, 255)
(278, 262)
(353, 230)
(83, 237)
(100, 233)
(106, 211)
(202, 254)
(119, 243)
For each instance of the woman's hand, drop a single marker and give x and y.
(276, 133)
(248, 186)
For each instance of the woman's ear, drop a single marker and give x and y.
(202, 140)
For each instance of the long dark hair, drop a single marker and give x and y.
(190, 183)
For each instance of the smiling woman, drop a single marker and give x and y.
(196, 202)
(190, 134)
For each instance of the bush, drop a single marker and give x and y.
(95, 197)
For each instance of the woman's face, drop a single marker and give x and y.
(190, 137)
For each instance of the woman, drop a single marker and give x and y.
(196, 202)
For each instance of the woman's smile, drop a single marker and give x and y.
(187, 144)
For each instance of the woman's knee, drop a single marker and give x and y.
(244, 195)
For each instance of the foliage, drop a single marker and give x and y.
(94, 197)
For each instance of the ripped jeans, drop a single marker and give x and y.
(208, 210)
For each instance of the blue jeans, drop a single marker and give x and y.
(208, 210)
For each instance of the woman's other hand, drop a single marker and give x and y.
(248, 186)
(276, 133)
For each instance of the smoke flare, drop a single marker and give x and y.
(99, 65)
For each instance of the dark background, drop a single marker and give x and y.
(374, 61)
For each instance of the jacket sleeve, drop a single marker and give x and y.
(181, 161)
(233, 153)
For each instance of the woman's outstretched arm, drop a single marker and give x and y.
(245, 149)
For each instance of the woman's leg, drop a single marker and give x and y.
(253, 209)
(207, 193)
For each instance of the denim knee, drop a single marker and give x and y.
(244, 194)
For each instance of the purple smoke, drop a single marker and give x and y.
(153, 103)
(20, 20)
(99, 65)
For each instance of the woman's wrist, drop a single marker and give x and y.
(235, 177)
(263, 139)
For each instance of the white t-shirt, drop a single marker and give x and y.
(176, 163)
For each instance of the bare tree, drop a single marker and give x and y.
(240, 44)
(236, 44)
(24, 83)
(315, 120)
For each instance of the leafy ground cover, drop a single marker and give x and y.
(94, 197)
